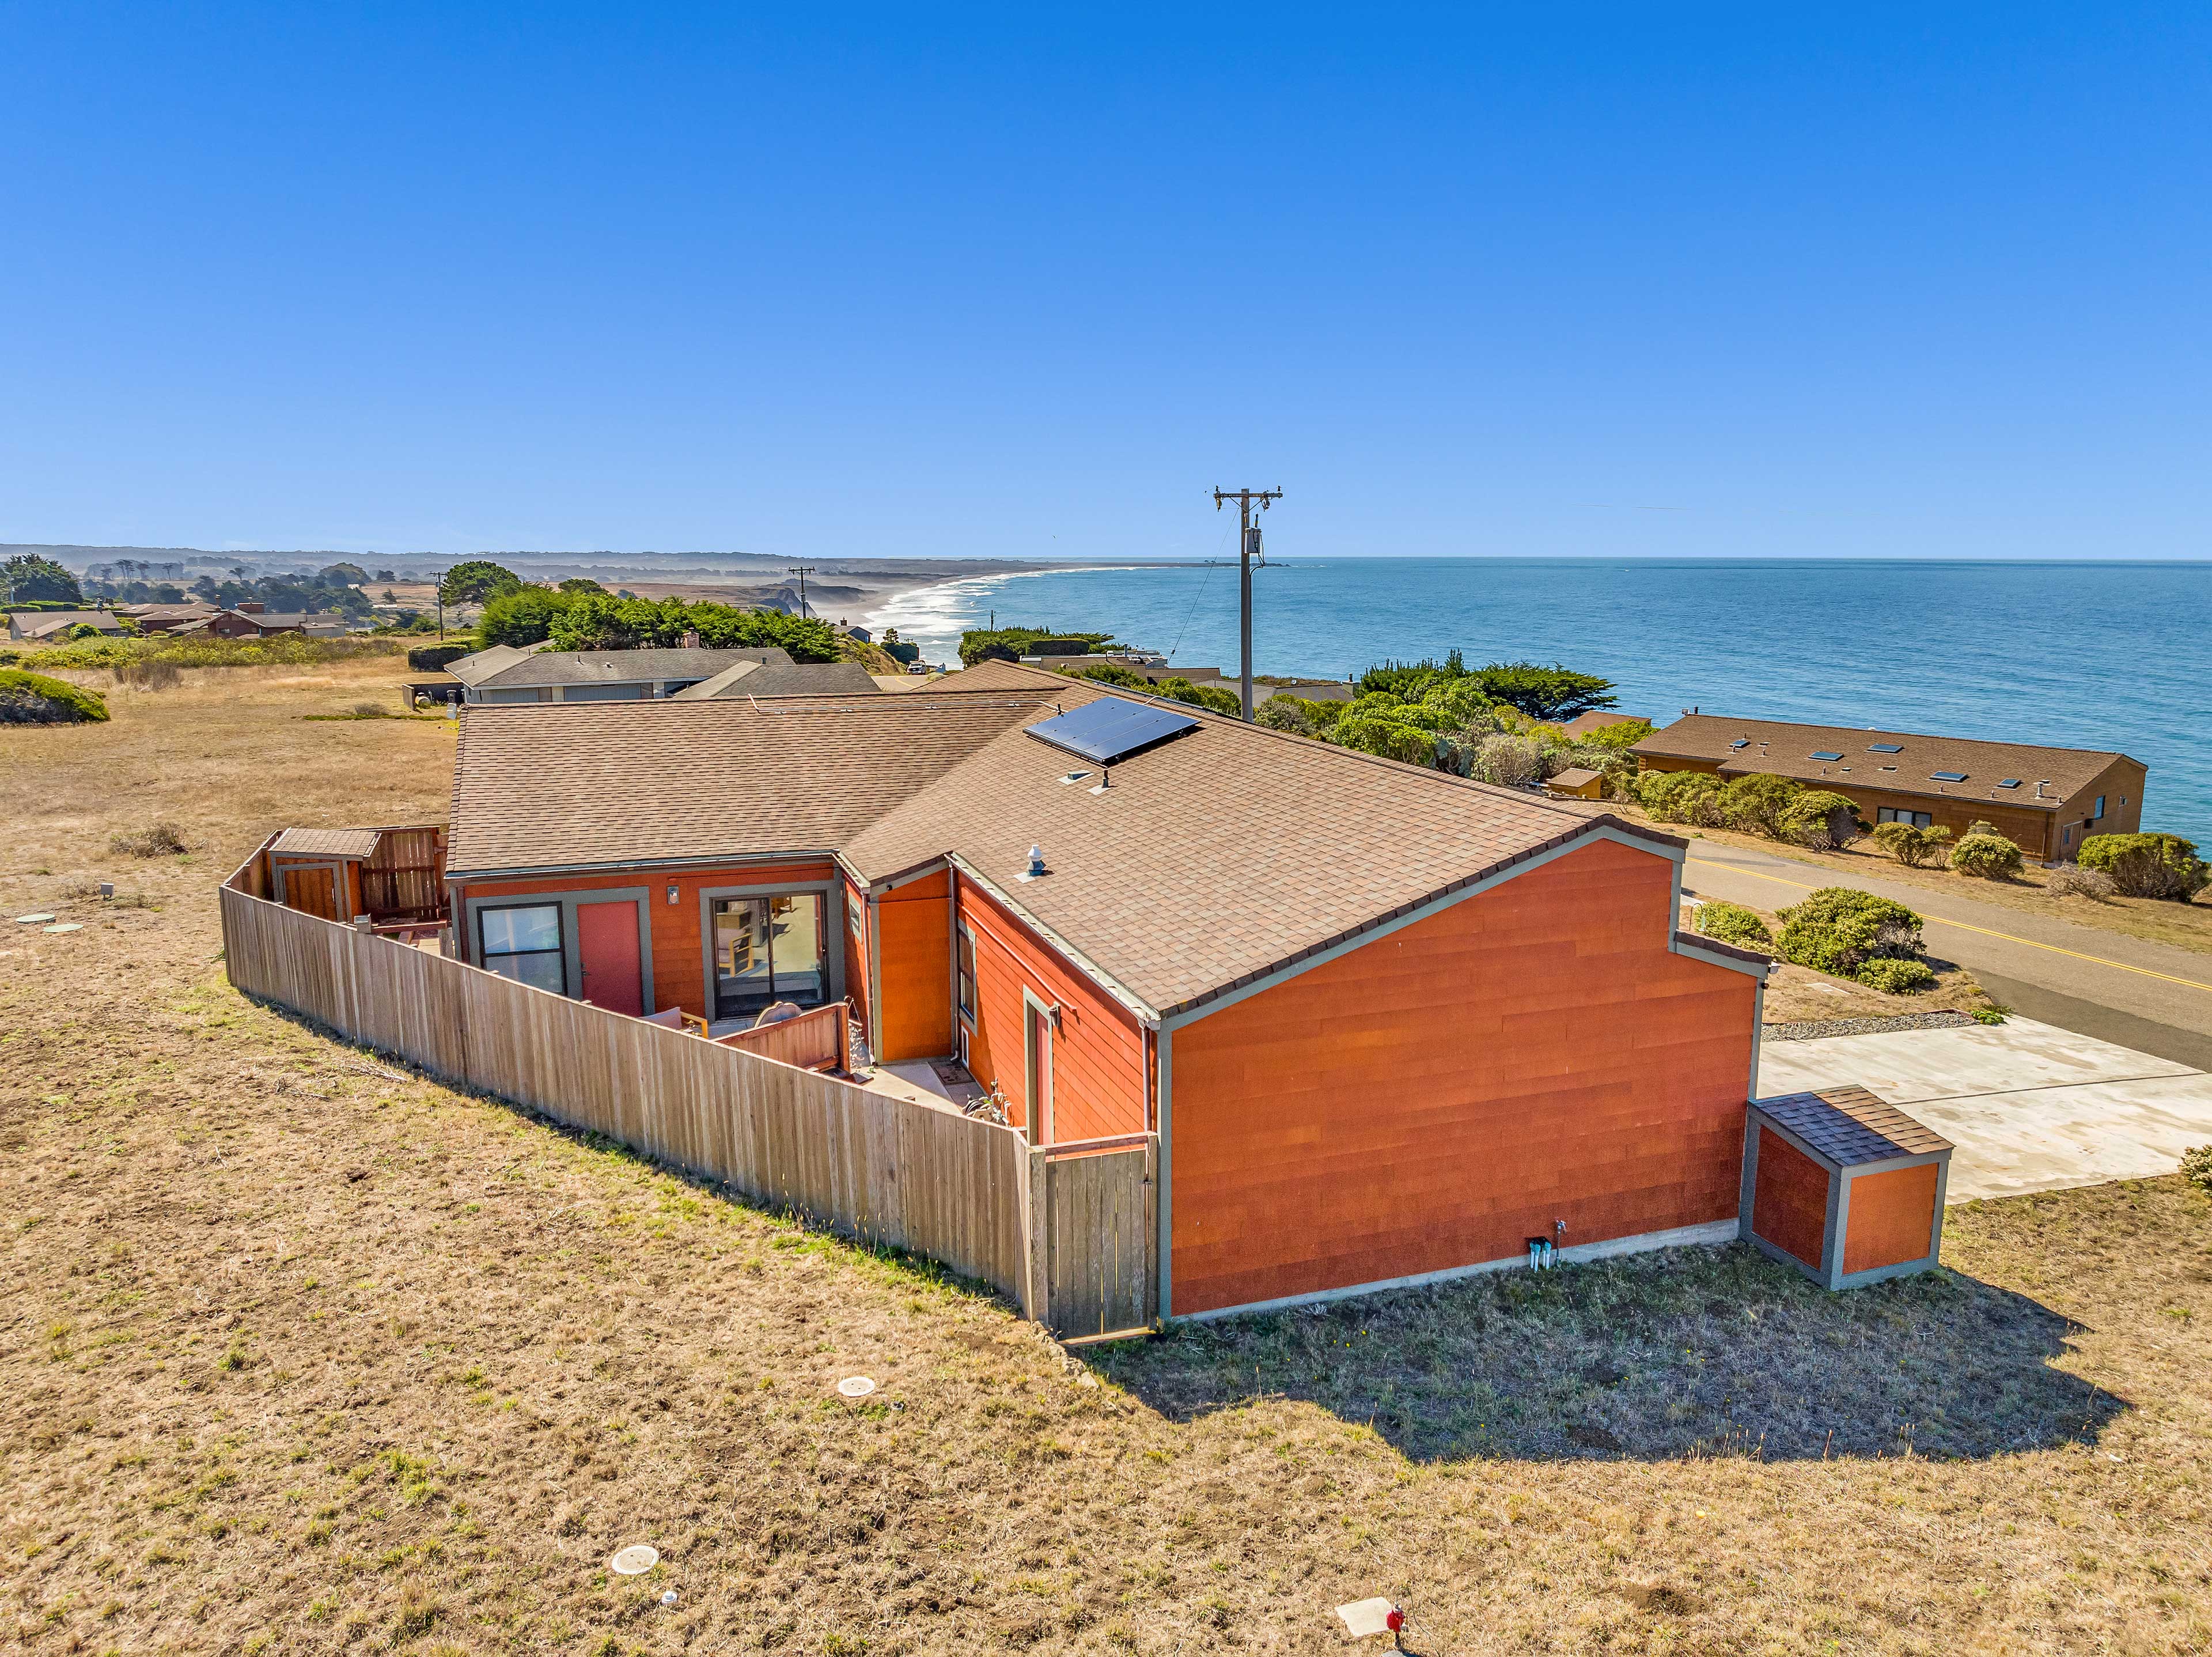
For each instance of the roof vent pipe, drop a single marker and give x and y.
(1037, 862)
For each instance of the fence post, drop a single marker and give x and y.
(1036, 1276)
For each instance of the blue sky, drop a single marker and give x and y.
(1763, 281)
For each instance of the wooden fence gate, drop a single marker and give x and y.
(1098, 1203)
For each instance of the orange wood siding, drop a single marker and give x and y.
(856, 959)
(1097, 1052)
(1434, 1099)
(1789, 1205)
(914, 935)
(1892, 1216)
(679, 954)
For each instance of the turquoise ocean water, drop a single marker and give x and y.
(2089, 656)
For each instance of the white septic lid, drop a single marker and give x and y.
(39, 919)
(634, 1560)
(1366, 1617)
(66, 926)
(856, 1386)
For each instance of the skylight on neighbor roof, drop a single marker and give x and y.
(1824, 754)
(2009, 782)
(1741, 742)
(1884, 747)
(1947, 777)
(1110, 730)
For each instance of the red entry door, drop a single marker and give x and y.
(606, 939)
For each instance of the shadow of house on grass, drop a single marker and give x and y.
(1686, 1353)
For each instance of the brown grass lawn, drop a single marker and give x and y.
(303, 1353)
(2184, 926)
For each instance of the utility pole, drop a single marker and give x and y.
(801, 571)
(1248, 544)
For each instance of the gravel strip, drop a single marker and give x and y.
(1815, 1029)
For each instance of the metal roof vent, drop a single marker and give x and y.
(1037, 870)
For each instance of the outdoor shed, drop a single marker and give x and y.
(394, 876)
(1843, 1185)
(1575, 783)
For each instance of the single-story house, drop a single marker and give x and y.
(787, 678)
(253, 621)
(1390, 1026)
(510, 674)
(166, 618)
(1583, 724)
(45, 626)
(2045, 800)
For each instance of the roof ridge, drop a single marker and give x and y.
(1879, 730)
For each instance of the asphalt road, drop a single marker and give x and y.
(2149, 997)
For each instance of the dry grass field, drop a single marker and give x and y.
(303, 1353)
(2183, 926)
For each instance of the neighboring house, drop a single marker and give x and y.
(1583, 724)
(48, 626)
(1389, 1025)
(165, 617)
(2045, 800)
(787, 678)
(507, 672)
(252, 621)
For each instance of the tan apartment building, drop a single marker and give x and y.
(2045, 800)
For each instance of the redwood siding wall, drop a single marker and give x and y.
(2121, 781)
(1098, 1052)
(1790, 1207)
(914, 931)
(1442, 1094)
(1893, 1216)
(679, 952)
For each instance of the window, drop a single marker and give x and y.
(2099, 814)
(967, 975)
(525, 945)
(1892, 814)
(767, 950)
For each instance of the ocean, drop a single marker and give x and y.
(2085, 656)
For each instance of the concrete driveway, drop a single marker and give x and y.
(2031, 1107)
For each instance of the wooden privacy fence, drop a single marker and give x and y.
(969, 1193)
(815, 1039)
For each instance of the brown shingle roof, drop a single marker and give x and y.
(1851, 1126)
(669, 781)
(327, 843)
(613, 666)
(1789, 748)
(784, 678)
(1212, 859)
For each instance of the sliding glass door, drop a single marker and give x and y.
(767, 950)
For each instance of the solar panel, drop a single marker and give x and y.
(1110, 729)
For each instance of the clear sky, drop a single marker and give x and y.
(1764, 281)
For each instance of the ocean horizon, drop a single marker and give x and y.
(2090, 654)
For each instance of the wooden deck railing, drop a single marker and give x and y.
(1070, 1240)
(816, 1039)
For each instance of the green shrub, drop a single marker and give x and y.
(1987, 857)
(1012, 643)
(1210, 696)
(429, 658)
(1897, 978)
(523, 615)
(1682, 797)
(1912, 846)
(1283, 713)
(1837, 929)
(1392, 739)
(1757, 804)
(34, 699)
(2147, 865)
(2196, 1167)
(1820, 821)
(1508, 761)
(1732, 923)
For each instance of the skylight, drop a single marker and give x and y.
(1110, 730)
(2009, 782)
(1884, 747)
(1947, 777)
(1824, 754)
(1741, 742)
